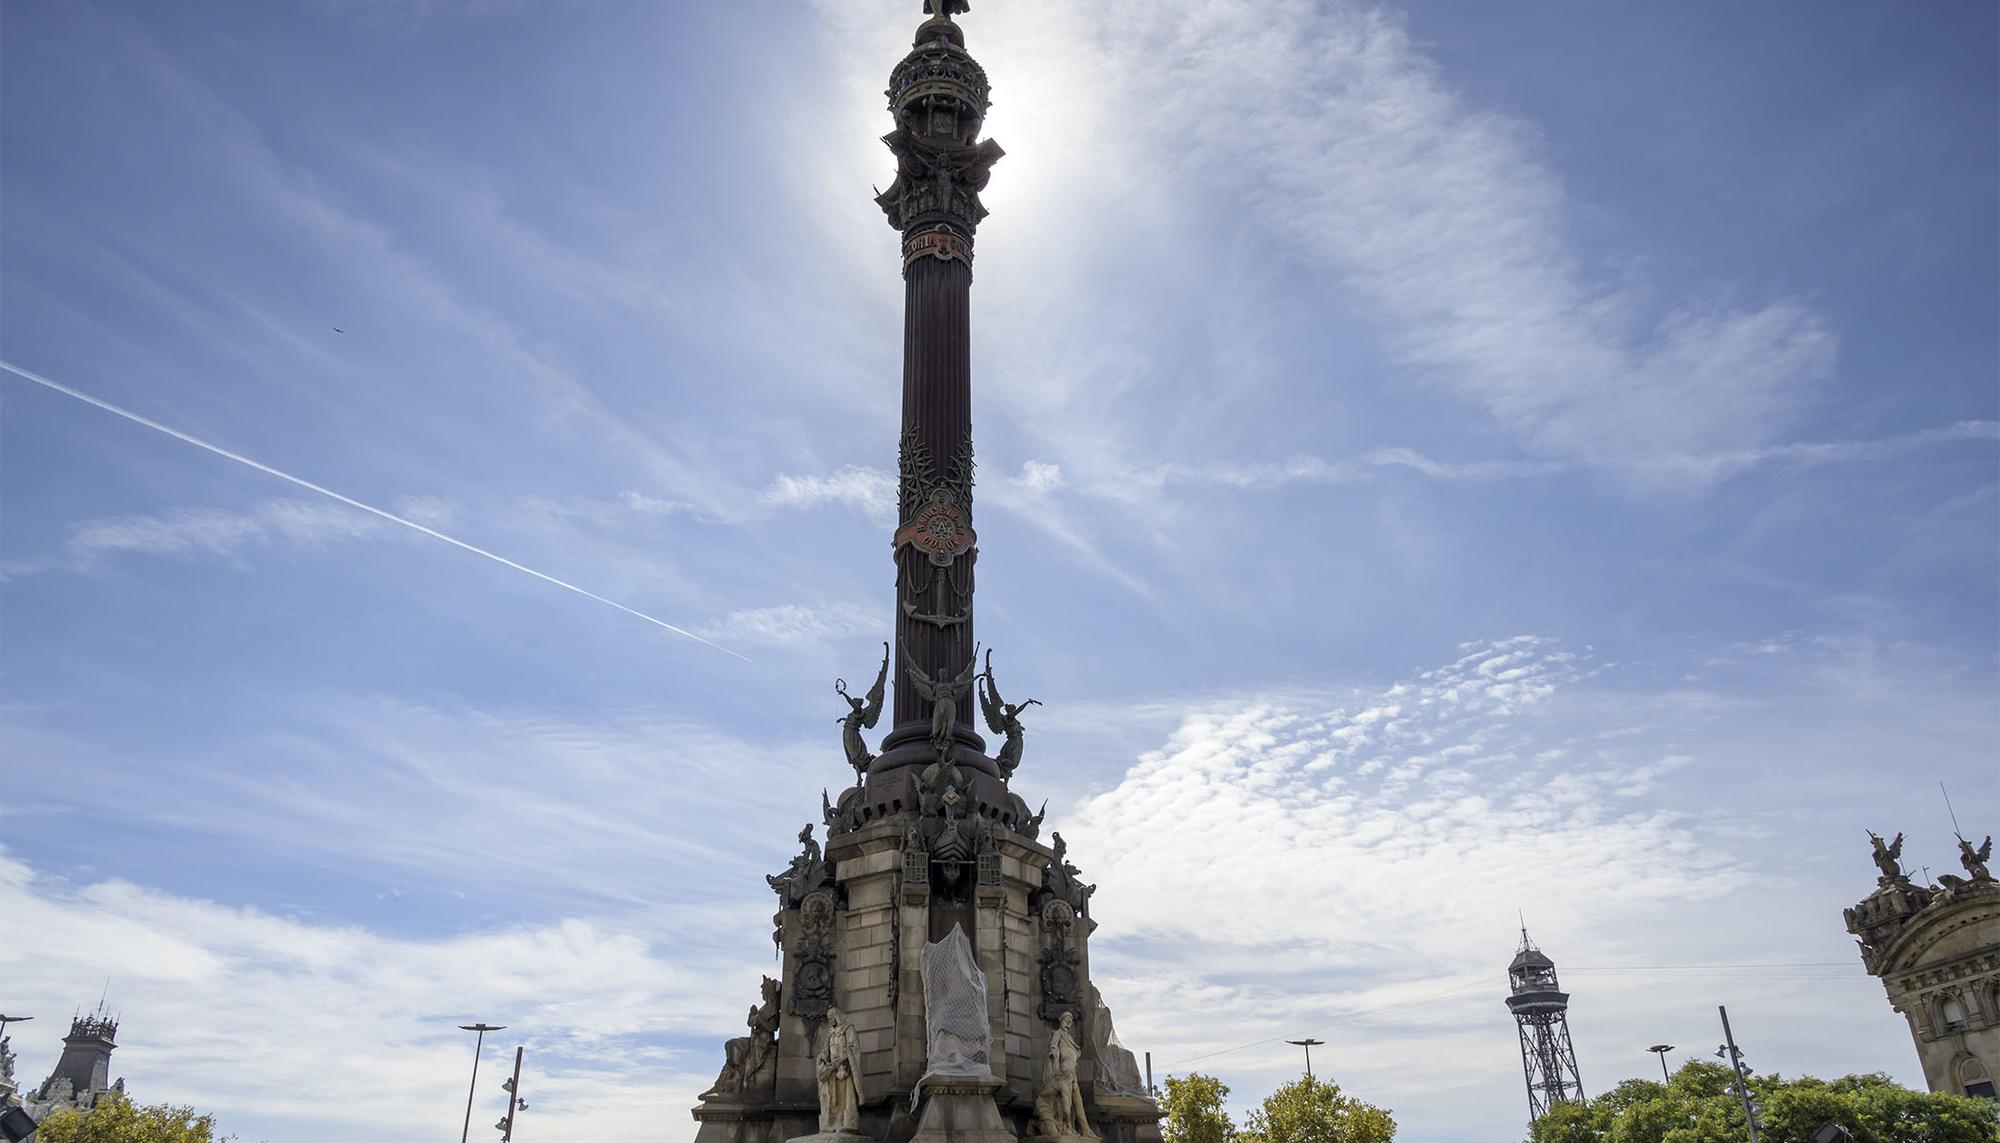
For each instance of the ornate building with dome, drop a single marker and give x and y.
(1936, 949)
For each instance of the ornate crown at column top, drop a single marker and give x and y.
(939, 96)
(939, 89)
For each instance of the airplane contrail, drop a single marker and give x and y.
(30, 375)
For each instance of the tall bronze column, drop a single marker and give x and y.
(938, 95)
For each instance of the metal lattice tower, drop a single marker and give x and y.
(1541, 1012)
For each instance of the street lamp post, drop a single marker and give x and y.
(478, 1043)
(1661, 1051)
(514, 1100)
(1735, 1056)
(1308, 1044)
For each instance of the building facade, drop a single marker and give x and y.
(1936, 949)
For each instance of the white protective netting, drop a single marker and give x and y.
(1117, 1068)
(956, 1031)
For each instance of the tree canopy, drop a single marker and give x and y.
(116, 1119)
(1194, 1110)
(1697, 1106)
(1308, 1110)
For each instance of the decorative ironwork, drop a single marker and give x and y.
(1541, 1013)
(939, 95)
(938, 620)
(936, 508)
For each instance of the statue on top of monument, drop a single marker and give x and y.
(1975, 860)
(1059, 1110)
(1064, 881)
(862, 715)
(943, 693)
(806, 873)
(1004, 718)
(945, 9)
(1886, 855)
(838, 1069)
(1026, 823)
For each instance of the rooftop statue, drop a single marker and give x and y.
(1886, 855)
(947, 8)
(1975, 860)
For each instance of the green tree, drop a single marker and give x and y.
(1312, 1110)
(116, 1119)
(1696, 1106)
(1194, 1111)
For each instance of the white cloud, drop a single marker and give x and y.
(1357, 470)
(792, 624)
(652, 505)
(357, 1029)
(186, 532)
(1719, 465)
(1448, 224)
(1702, 468)
(430, 511)
(551, 812)
(1444, 222)
(1039, 478)
(1349, 866)
(868, 490)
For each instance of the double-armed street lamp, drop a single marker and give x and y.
(515, 1103)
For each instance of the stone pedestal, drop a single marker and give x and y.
(762, 1121)
(1128, 1119)
(832, 1137)
(962, 1110)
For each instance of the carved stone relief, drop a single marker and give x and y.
(812, 960)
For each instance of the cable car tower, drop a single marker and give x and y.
(1541, 1012)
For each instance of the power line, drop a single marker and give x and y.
(28, 375)
(1361, 1014)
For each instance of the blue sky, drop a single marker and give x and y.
(1435, 460)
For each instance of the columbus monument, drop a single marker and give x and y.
(936, 952)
